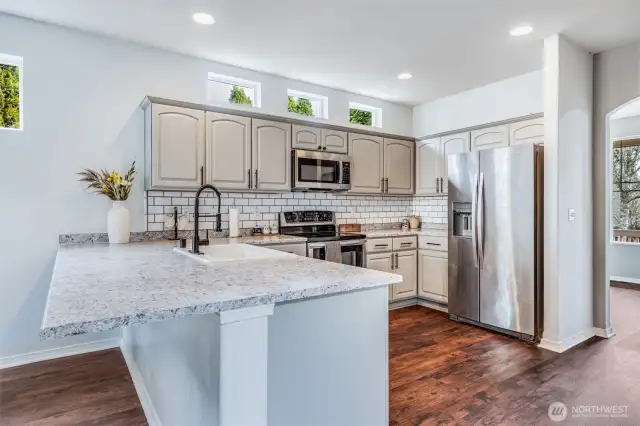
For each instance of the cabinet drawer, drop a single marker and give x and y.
(299, 249)
(433, 243)
(379, 244)
(405, 243)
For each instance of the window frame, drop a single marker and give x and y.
(18, 61)
(324, 102)
(376, 114)
(621, 141)
(241, 82)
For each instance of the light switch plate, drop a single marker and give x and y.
(572, 215)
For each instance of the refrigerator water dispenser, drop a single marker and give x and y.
(462, 224)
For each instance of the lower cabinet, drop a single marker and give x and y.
(433, 275)
(381, 262)
(405, 265)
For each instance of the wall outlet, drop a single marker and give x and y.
(572, 215)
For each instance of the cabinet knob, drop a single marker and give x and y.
(324, 148)
(319, 146)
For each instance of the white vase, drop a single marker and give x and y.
(118, 223)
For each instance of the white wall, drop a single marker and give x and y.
(568, 304)
(506, 99)
(81, 109)
(623, 262)
(616, 82)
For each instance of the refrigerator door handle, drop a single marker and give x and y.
(474, 222)
(480, 215)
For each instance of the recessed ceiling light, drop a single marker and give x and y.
(203, 18)
(521, 31)
(404, 76)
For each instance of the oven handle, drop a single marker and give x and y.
(352, 243)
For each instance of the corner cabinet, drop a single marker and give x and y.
(174, 147)
(399, 163)
(271, 157)
(368, 163)
(228, 151)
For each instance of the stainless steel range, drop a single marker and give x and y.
(323, 239)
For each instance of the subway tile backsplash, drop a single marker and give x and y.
(258, 209)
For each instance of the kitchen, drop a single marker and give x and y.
(133, 102)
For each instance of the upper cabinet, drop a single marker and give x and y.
(174, 147)
(316, 139)
(334, 141)
(451, 145)
(428, 167)
(431, 162)
(228, 151)
(368, 163)
(490, 138)
(525, 132)
(271, 155)
(399, 166)
(305, 137)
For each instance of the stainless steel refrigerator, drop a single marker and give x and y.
(495, 239)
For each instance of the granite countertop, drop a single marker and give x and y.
(427, 229)
(98, 287)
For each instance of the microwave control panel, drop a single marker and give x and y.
(346, 172)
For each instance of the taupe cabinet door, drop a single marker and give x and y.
(177, 147)
(428, 162)
(334, 141)
(407, 266)
(529, 131)
(490, 138)
(228, 151)
(381, 262)
(271, 155)
(453, 144)
(308, 138)
(368, 167)
(399, 163)
(432, 273)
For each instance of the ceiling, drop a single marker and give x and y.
(357, 45)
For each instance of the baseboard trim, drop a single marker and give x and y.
(61, 352)
(141, 389)
(433, 305)
(606, 333)
(625, 280)
(566, 344)
(402, 304)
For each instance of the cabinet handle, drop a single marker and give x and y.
(437, 185)
(406, 244)
(201, 175)
(324, 148)
(382, 245)
(249, 177)
(382, 184)
(256, 182)
(319, 146)
(441, 183)
(386, 181)
(433, 244)
(393, 266)
(396, 260)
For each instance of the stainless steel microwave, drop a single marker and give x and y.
(320, 171)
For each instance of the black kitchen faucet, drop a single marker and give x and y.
(196, 217)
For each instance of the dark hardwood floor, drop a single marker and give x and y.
(441, 372)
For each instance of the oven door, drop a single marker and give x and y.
(320, 171)
(352, 252)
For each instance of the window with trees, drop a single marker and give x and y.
(308, 104)
(10, 92)
(626, 189)
(365, 115)
(223, 89)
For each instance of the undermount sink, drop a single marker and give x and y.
(230, 253)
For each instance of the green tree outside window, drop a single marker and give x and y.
(358, 116)
(300, 106)
(626, 186)
(9, 96)
(238, 96)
